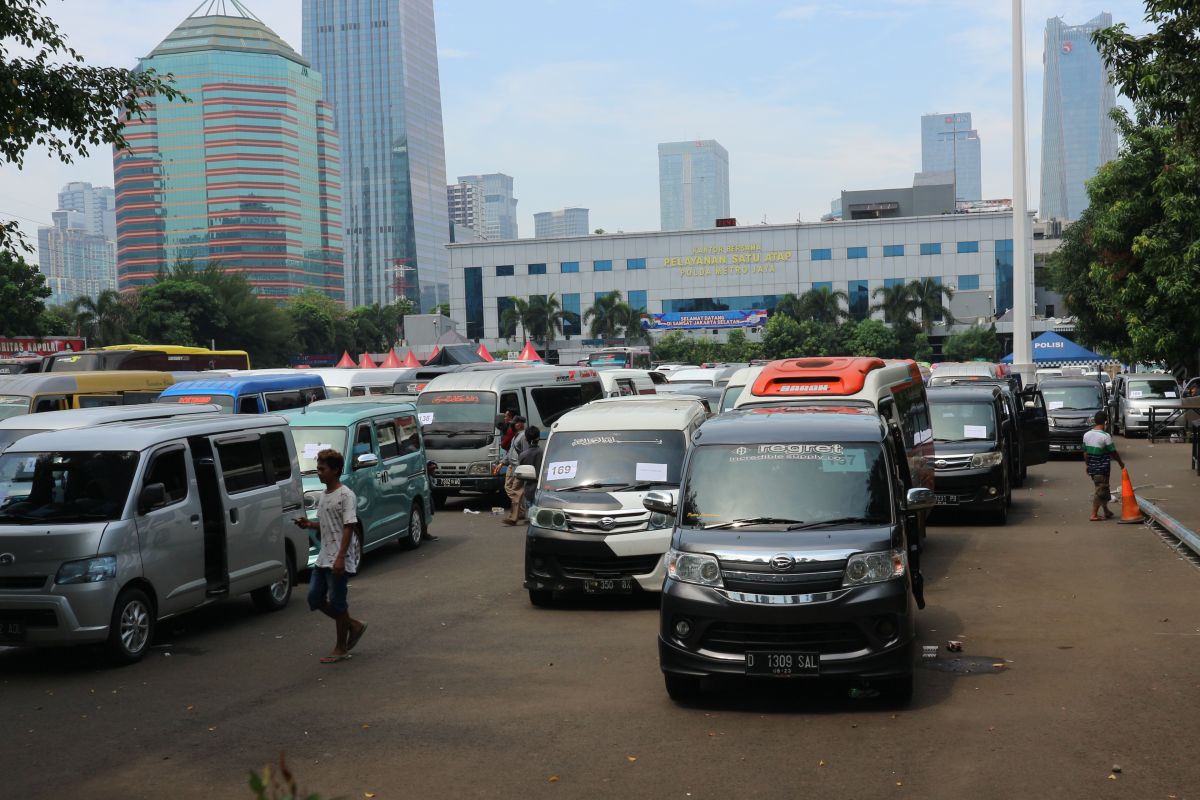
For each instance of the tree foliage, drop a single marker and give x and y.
(977, 343)
(23, 292)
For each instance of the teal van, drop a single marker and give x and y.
(385, 467)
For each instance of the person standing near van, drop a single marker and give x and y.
(531, 457)
(338, 558)
(1098, 452)
(514, 488)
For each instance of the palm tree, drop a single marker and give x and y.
(609, 315)
(927, 295)
(896, 303)
(544, 316)
(824, 305)
(105, 320)
(790, 306)
(516, 314)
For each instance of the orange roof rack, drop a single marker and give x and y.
(814, 377)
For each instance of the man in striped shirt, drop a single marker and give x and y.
(1098, 452)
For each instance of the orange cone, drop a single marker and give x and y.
(1130, 513)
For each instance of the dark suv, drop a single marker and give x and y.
(971, 449)
(1072, 403)
(790, 552)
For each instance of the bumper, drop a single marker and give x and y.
(76, 614)
(972, 488)
(845, 631)
(1068, 440)
(463, 484)
(1139, 423)
(563, 561)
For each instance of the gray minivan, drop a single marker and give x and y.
(106, 531)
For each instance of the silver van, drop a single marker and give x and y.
(15, 428)
(104, 532)
(1134, 393)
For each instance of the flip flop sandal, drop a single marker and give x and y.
(1095, 519)
(334, 659)
(354, 637)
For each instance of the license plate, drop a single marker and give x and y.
(772, 662)
(12, 631)
(945, 499)
(608, 586)
(447, 481)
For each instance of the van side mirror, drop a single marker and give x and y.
(658, 503)
(365, 460)
(919, 500)
(153, 495)
(526, 473)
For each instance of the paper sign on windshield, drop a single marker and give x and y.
(975, 432)
(312, 450)
(561, 470)
(29, 464)
(650, 472)
(1056, 404)
(1168, 394)
(426, 417)
(1134, 394)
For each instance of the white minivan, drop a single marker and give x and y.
(588, 531)
(105, 532)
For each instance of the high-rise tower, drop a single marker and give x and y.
(950, 144)
(693, 184)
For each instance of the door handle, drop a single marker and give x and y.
(233, 515)
(195, 517)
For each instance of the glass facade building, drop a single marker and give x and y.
(74, 260)
(245, 176)
(693, 184)
(564, 222)
(1077, 135)
(950, 144)
(499, 205)
(379, 60)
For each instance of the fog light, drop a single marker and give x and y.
(683, 629)
(886, 628)
(992, 490)
(538, 562)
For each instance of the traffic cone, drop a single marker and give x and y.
(1130, 513)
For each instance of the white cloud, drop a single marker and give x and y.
(797, 12)
(452, 52)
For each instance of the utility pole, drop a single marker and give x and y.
(1022, 349)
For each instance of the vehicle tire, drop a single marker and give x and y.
(542, 598)
(897, 691)
(682, 688)
(411, 539)
(276, 596)
(1000, 515)
(131, 628)
(1021, 475)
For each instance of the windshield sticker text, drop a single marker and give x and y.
(590, 440)
(455, 398)
(561, 470)
(426, 417)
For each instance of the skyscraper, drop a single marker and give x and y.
(96, 203)
(379, 59)
(693, 184)
(499, 205)
(245, 176)
(564, 222)
(950, 144)
(465, 204)
(75, 260)
(1077, 135)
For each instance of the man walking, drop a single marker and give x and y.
(1098, 452)
(338, 558)
(514, 488)
(531, 457)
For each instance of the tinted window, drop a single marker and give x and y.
(388, 446)
(962, 421)
(248, 405)
(458, 410)
(410, 435)
(1070, 398)
(554, 401)
(138, 398)
(37, 488)
(1152, 389)
(169, 469)
(277, 455)
(98, 400)
(282, 401)
(242, 465)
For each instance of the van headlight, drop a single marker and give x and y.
(660, 521)
(480, 468)
(700, 568)
(87, 570)
(554, 519)
(864, 568)
(987, 459)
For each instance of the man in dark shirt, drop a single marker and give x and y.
(533, 457)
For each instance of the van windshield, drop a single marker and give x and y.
(311, 441)
(612, 460)
(225, 401)
(1073, 398)
(732, 393)
(787, 486)
(13, 405)
(1153, 390)
(961, 422)
(36, 488)
(457, 411)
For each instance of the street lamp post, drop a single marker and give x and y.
(1022, 348)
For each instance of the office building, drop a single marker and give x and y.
(246, 176)
(97, 204)
(950, 144)
(74, 260)
(931, 193)
(499, 205)
(379, 60)
(464, 201)
(1078, 137)
(564, 222)
(693, 184)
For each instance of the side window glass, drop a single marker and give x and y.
(388, 446)
(248, 404)
(283, 401)
(358, 391)
(53, 403)
(626, 387)
(138, 398)
(362, 441)
(169, 469)
(242, 465)
(277, 456)
(410, 435)
(509, 402)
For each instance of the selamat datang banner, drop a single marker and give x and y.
(692, 320)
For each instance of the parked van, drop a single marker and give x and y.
(43, 391)
(459, 412)
(250, 394)
(628, 357)
(385, 467)
(790, 555)
(971, 449)
(16, 428)
(167, 358)
(348, 382)
(110, 530)
(627, 382)
(588, 532)
(1132, 396)
(414, 379)
(1072, 403)
(737, 382)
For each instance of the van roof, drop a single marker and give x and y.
(342, 411)
(772, 424)
(814, 378)
(140, 436)
(33, 383)
(498, 380)
(85, 417)
(648, 412)
(246, 383)
(966, 394)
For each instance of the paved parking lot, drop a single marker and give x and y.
(462, 689)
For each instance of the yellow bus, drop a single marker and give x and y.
(42, 391)
(161, 357)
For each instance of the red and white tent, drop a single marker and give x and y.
(529, 354)
(483, 353)
(346, 361)
(392, 361)
(366, 362)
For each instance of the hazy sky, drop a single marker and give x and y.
(571, 97)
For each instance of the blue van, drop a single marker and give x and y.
(249, 394)
(385, 466)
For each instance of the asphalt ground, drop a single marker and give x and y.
(462, 689)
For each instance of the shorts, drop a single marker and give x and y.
(326, 590)
(1103, 494)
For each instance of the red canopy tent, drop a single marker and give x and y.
(483, 353)
(346, 361)
(529, 354)
(366, 362)
(392, 361)
(410, 361)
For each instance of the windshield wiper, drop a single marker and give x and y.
(584, 487)
(835, 521)
(738, 523)
(956, 441)
(643, 485)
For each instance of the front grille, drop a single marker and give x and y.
(444, 470)
(825, 577)
(622, 521)
(31, 618)
(826, 638)
(607, 566)
(23, 582)
(951, 463)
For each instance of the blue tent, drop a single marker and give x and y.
(1050, 349)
